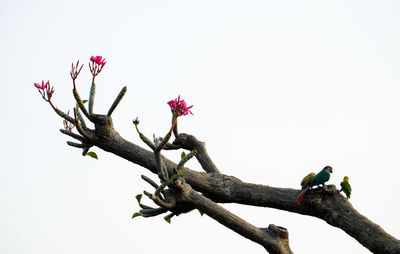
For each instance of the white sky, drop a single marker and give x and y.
(279, 89)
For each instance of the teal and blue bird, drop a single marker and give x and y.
(321, 178)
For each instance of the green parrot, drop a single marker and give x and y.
(305, 184)
(320, 178)
(346, 188)
(306, 180)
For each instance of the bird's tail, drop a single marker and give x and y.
(301, 194)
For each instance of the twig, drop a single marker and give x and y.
(184, 160)
(71, 134)
(80, 103)
(65, 116)
(117, 101)
(80, 129)
(73, 144)
(81, 119)
(153, 211)
(91, 98)
(151, 182)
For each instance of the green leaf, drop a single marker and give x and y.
(139, 197)
(136, 215)
(175, 176)
(183, 154)
(168, 220)
(92, 154)
(83, 101)
(201, 213)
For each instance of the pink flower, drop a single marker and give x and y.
(172, 103)
(98, 63)
(98, 59)
(179, 107)
(43, 86)
(46, 91)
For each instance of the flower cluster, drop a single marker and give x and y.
(97, 65)
(45, 90)
(98, 60)
(179, 107)
(42, 86)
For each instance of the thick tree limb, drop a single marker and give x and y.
(326, 204)
(274, 239)
(181, 198)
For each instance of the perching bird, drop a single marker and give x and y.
(305, 184)
(346, 188)
(322, 177)
(306, 180)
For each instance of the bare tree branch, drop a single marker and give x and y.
(183, 193)
(80, 103)
(91, 98)
(325, 204)
(274, 239)
(71, 134)
(190, 142)
(117, 101)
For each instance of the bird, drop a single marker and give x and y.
(306, 180)
(305, 184)
(320, 178)
(346, 188)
